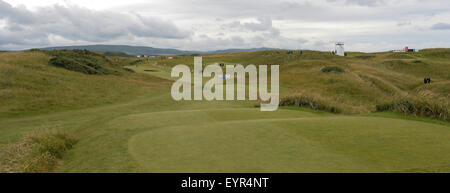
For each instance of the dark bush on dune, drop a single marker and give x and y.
(129, 70)
(71, 65)
(82, 61)
(136, 62)
(332, 69)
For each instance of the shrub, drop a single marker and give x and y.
(128, 70)
(33, 50)
(304, 101)
(136, 62)
(332, 69)
(71, 65)
(38, 151)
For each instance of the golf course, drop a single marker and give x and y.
(360, 113)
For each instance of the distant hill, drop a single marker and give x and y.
(243, 50)
(132, 50)
(139, 50)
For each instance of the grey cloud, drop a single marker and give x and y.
(404, 23)
(304, 10)
(263, 24)
(79, 24)
(326, 20)
(368, 3)
(441, 26)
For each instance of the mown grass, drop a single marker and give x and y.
(37, 152)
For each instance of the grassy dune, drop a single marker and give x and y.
(29, 85)
(367, 80)
(129, 122)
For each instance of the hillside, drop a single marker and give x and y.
(133, 50)
(366, 80)
(30, 84)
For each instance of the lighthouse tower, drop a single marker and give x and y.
(339, 49)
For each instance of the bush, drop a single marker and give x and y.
(128, 70)
(332, 69)
(136, 62)
(39, 151)
(303, 101)
(417, 108)
(71, 65)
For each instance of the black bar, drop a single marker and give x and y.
(274, 182)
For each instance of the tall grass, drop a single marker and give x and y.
(418, 108)
(305, 101)
(38, 152)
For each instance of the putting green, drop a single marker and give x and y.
(246, 140)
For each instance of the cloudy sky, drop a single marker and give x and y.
(364, 25)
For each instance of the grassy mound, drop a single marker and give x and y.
(29, 85)
(39, 151)
(436, 53)
(82, 61)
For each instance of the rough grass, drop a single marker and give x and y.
(304, 101)
(416, 107)
(436, 53)
(37, 152)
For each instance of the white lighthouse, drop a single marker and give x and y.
(339, 49)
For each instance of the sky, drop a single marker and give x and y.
(204, 25)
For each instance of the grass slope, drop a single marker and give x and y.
(29, 85)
